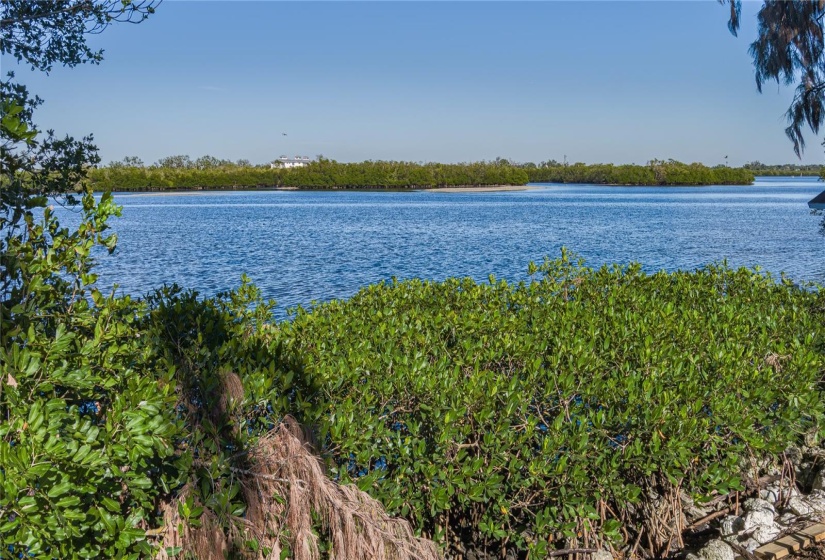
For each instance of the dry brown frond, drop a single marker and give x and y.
(774, 360)
(356, 525)
(284, 485)
(231, 391)
(207, 542)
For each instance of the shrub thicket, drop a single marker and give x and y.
(327, 174)
(492, 416)
(323, 174)
(520, 417)
(126, 178)
(657, 173)
(399, 174)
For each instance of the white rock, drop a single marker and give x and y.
(766, 533)
(770, 493)
(787, 519)
(601, 555)
(800, 506)
(692, 556)
(716, 550)
(819, 480)
(756, 504)
(758, 518)
(816, 499)
(732, 524)
(794, 454)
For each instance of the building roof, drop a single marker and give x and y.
(296, 159)
(818, 202)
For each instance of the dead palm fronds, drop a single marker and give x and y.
(288, 497)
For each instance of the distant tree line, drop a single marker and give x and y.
(655, 173)
(784, 169)
(208, 172)
(326, 173)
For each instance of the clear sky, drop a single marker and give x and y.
(433, 81)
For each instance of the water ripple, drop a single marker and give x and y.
(304, 246)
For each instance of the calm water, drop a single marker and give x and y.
(304, 246)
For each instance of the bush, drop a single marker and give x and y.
(524, 417)
(494, 417)
(323, 174)
(656, 173)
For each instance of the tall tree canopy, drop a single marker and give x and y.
(790, 49)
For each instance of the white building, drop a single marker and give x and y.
(287, 162)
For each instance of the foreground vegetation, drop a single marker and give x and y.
(493, 417)
(656, 173)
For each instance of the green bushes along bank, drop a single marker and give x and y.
(493, 416)
(326, 174)
(322, 174)
(657, 173)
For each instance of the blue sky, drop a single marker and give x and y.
(432, 81)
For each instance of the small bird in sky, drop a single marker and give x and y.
(283, 134)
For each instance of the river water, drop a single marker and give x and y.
(304, 246)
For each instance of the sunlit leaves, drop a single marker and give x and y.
(514, 411)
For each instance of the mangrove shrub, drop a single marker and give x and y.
(526, 417)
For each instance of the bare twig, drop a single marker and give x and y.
(564, 551)
(708, 518)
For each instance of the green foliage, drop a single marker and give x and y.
(86, 439)
(504, 416)
(130, 178)
(656, 173)
(397, 174)
(87, 442)
(179, 172)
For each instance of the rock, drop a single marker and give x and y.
(750, 545)
(601, 555)
(799, 506)
(794, 454)
(819, 480)
(787, 519)
(758, 518)
(690, 507)
(766, 533)
(816, 499)
(757, 504)
(716, 550)
(770, 493)
(732, 524)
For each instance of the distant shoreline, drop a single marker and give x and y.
(201, 191)
(491, 188)
(163, 191)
